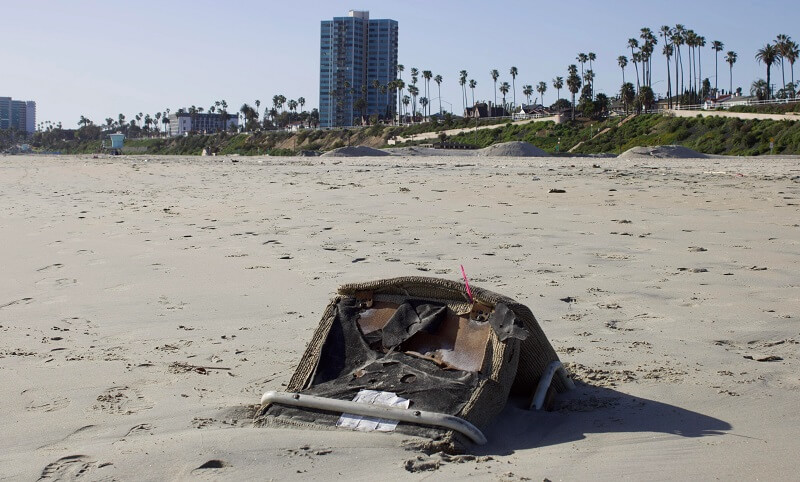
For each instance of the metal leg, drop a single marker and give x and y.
(544, 383)
(378, 411)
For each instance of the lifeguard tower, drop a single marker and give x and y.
(115, 144)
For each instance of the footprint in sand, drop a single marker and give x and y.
(24, 301)
(47, 406)
(141, 429)
(56, 282)
(119, 288)
(122, 400)
(51, 266)
(72, 467)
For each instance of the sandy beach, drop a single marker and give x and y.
(147, 302)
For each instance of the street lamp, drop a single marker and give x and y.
(443, 101)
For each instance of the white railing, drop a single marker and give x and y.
(733, 103)
(521, 116)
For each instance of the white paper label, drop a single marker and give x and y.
(367, 424)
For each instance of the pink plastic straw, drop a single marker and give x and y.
(466, 282)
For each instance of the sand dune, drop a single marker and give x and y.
(662, 152)
(512, 149)
(146, 303)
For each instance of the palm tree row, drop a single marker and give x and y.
(145, 124)
(674, 40)
(140, 124)
(784, 49)
(683, 48)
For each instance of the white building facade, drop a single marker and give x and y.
(182, 123)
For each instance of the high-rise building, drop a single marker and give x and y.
(5, 112)
(16, 114)
(30, 116)
(358, 59)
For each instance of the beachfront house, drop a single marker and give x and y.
(182, 123)
(482, 110)
(716, 103)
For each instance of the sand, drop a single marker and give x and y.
(512, 149)
(503, 149)
(355, 151)
(662, 152)
(146, 303)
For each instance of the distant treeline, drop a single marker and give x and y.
(710, 135)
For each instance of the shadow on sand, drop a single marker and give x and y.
(590, 409)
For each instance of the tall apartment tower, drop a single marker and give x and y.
(16, 114)
(358, 59)
(5, 112)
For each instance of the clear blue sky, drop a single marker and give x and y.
(99, 58)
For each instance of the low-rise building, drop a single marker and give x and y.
(182, 123)
(486, 109)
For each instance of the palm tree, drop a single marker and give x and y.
(472, 84)
(582, 58)
(717, 46)
(504, 88)
(627, 94)
(514, 73)
(414, 91)
(588, 78)
(666, 32)
(391, 87)
(678, 39)
(384, 89)
(791, 55)
(495, 75)
(645, 59)
(158, 121)
(541, 89)
(438, 79)
(427, 75)
(760, 89)
(462, 81)
(633, 44)
(730, 57)
(558, 84)
(573, 84)
(782, 44)
(399, 85)
(250, 116)
(650, 41)
(424, 102)
(690, 38)
(668, 50)
(258, 105)
(701, 42)
(622, 61)
(400, 69)
(527, 91)
(768, 55)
